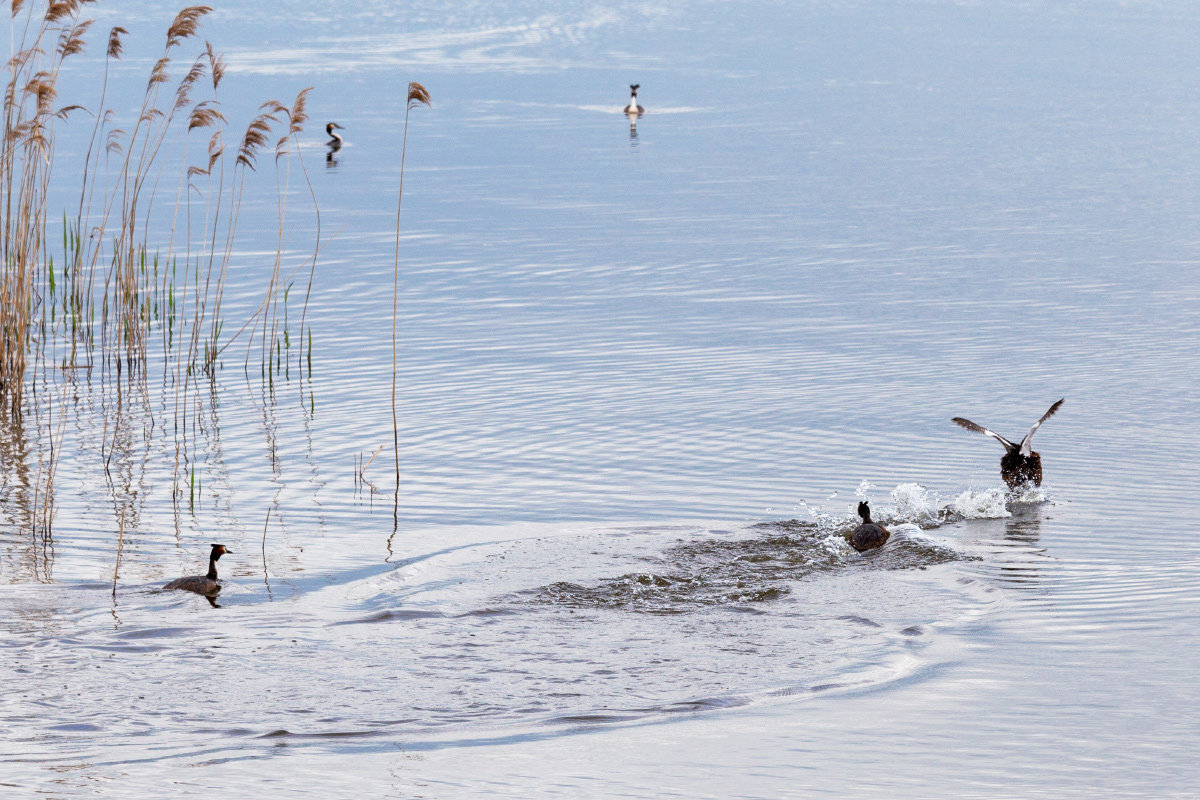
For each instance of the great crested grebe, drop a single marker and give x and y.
(868, 535)
(335, 141)
(633, 108)
(1020, 463)
(207, 585)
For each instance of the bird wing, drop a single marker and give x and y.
(971, 426)
(1027, 442)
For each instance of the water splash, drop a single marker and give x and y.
(912, 502)
(981, 504)
(833, 527)
(1029, 495)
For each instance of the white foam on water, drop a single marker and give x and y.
(916, 505)
(1031, 495)
(982, 504)
(912, 532)
(913, 503)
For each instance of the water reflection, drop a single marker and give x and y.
(211, 596)
(24, 555)
(1012, 551)
(1023, 556)
(31, 454)
(1025, 524)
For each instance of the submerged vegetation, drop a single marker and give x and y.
(136, 294)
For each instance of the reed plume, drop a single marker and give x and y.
(186, 24)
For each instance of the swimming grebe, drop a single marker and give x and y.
(633, 107)
(207, 585)
(868, 535)
(335, 141)
(1020, 463)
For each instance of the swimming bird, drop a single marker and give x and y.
(335, 141)
(868, 535)
(207, 585)
(633, 107)
(1020, 463)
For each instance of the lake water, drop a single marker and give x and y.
(643, 376)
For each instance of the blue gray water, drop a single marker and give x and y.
(642, 381)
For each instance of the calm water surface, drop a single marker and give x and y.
(643, 377)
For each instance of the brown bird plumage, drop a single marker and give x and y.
(1020, 463)
(868, 535)
(207, 585)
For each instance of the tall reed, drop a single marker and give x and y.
(26, 159)
(417, 95)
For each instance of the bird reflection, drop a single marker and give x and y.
(334, 144)
(1024, 527)
(1022, 532)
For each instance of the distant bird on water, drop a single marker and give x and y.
(633, 108)
(868, 535)
(207, 585)
(335, 141)
(1020, 463)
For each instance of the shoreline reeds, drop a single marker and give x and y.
(136, 266)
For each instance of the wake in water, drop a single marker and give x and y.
(742, 573)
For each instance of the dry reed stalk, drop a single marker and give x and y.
(417, 95)
(26, 156)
